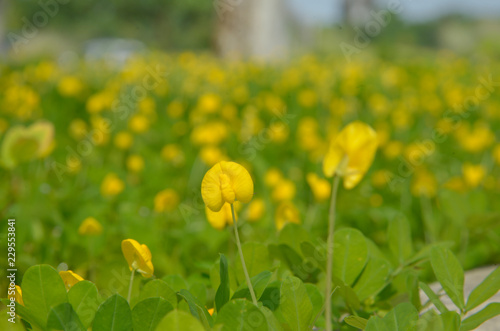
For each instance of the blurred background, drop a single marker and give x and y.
(266, 29)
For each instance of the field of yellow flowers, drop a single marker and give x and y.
(353, 186)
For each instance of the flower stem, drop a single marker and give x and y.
(130, 286)
(329, 254)
(238, 243)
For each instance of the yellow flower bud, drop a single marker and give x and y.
(138, 257)
(70, 278)
(90, 227)
(286, 213)
(111, 185)
(166, 200)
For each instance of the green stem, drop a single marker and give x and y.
(238, 243)
(329, 252)
(130, 285)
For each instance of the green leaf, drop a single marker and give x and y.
(296, 307)
(178, 320)
(83, 296)
(375, 323)
(413, 290)
(373, 279)
(313, 254)
(113, 315)
(399, 236)
(346, 292)
(472, 322)
(350, 254)
(223, 292)
(316, 298)
(158, 288)
(356, 321)
(175, 282)
(272, 322)
(148, 313)
(24, 313)
(271, 297)
(488, 288)
(293, 235)
(63, 317)
(241, 314)
(197, 309)
(402, 317)
(431, 321)
(259, 284)
(256, 259)
(43, 289)
(433, 297)
(449, 273)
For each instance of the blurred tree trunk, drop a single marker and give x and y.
(357, 12)
(251, 29)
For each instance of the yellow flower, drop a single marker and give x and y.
(284, 190)
(22, 144)
(70, 86)
(423, 183)
(123, 140)
(456, 184)
(211, 155)
(380, 178)
(496, 154)
(351, 153)
(320, 187)
(111, 185)
(226, 182)
(166, 200)
(286, 213)
(19, 295)
(138, 257)
(138, 123)
(78, 129)
(393, 149)
(90, 227)
(219, 219)
(175, 109)
(70, 278)
(209, 102)
(135, 163)
(256, 210)
(273, 176)
(473, 174)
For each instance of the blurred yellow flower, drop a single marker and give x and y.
(209, 102)
(351, 153)
(70, 278)
(96, 103)
(19, 295)
(111, 185)
(284, 190)
(320, 187)
(380, 178)
(78, 129)
(138, 123)
(423, 183)
(123, 140)
(393, 149)
(138, 257)
(496, 154)
(256, 210)
(286, 213)
(211, 133)
(456, 184)
(70, 86)
(272, 177)
(175, 109)
(22, 144)
(475, 139)
(473, 174)
(90, 227)
(166, 200)
(226, 182)
(210, 155)
(135, 163)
